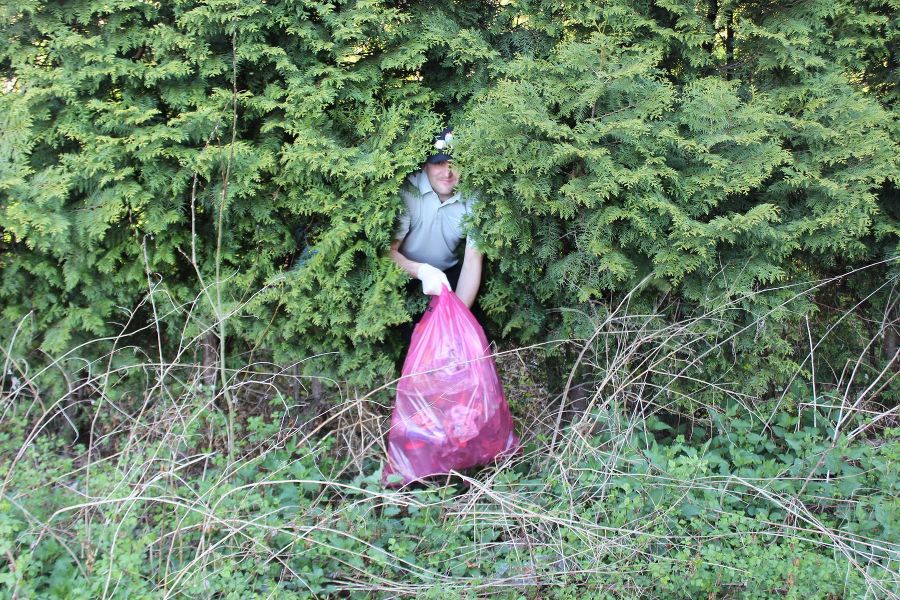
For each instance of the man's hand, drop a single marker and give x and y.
(432, 279)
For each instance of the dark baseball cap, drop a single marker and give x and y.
(442, 145)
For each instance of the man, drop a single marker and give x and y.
(430, 229)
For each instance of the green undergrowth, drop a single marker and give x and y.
(663, 456)
(620, 507)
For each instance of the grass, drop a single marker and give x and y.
(645, 472)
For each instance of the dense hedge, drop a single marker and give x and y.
(241, 159)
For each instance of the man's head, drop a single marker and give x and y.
(442, 177)
(438, 168)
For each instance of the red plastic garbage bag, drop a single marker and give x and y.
(450, 412)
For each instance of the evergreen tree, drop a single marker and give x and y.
(708, 150)
(188, 147)
(246, 155)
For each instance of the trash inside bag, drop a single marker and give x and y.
(450, 412)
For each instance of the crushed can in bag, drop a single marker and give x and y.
(450, 413)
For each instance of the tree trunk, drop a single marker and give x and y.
(210, 364)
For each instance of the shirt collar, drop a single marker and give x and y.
(425, 188)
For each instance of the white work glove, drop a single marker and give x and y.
(432, 279)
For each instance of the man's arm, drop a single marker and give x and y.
(410, 266)
(470, 276)
(433, 279)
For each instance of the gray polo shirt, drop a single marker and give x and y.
(429, 229)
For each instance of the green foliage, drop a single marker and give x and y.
(170, 149)
(636, 146)
(695, 157)
(226, 172)
(205, 159)
(636, 508)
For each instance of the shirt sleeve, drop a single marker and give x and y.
(401, 226)
(470, 240)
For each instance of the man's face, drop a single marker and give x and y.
(442, 179)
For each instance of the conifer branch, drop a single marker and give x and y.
(229, 400)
